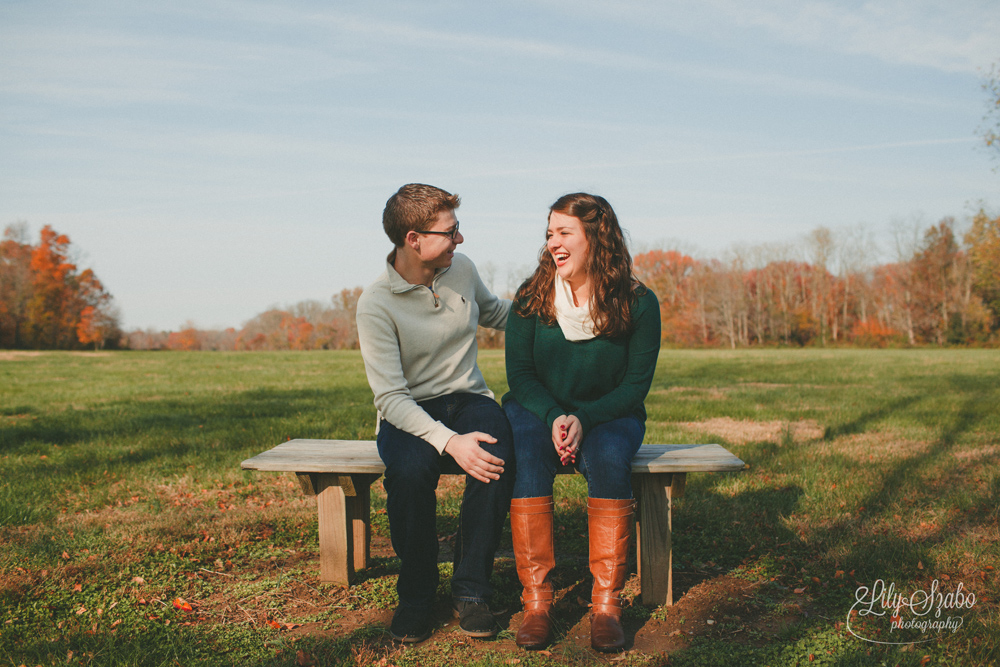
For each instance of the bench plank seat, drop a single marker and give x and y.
(340, 473)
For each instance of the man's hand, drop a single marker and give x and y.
(474, 459)
(566, 434)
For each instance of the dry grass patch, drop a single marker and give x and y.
(741, 432)
(15, 355)
(873, 446)
(990, 451)
(693, 393)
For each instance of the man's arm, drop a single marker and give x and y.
(384, 367)
(493, 310)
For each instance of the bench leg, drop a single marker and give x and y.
(656, 492)
(336, 533)
(359, 507)
(343, 503)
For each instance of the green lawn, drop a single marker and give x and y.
(120, 491)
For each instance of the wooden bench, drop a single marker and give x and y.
(340, 473)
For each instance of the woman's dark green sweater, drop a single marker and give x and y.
(597, 380)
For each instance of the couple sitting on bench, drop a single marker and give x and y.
(582, 338)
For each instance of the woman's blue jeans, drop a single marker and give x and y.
(412, 469)
(604, 457)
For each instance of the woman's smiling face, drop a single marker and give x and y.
(567, 242)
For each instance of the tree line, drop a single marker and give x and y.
(942, 288)
(46, 301)
(307, 325)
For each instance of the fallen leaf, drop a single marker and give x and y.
(274, 624)
(800, 591)
(946, 577)
(920, 564)
(815, 580)
(65, 556)
(924, 660)
(838, 574)
(138, 580)
(77, 588)
(182, 604)
(81, 610)
(303, 659)
(547, 654)
(812, 656)
(292, 626)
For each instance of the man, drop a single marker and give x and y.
(417, 329)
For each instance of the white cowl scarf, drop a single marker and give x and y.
(575, 321)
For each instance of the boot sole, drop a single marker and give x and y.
(608, 649)
(478, 635)
(410, 639)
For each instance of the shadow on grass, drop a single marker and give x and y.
(869, 539)
(156, 644)
(52, 453)
(317, 413)
(923, 478)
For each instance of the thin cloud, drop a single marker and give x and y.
(720, 158)
(956, 36)
(83, 67)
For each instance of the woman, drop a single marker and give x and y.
(582, 340)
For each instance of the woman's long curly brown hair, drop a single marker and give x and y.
(609, 267)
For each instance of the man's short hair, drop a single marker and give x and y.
(415, 207)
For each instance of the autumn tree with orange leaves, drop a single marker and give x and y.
(45, 302)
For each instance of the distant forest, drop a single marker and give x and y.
(943, 289)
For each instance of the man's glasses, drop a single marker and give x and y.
(450, 234)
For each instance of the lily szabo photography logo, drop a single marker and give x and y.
(883, 615)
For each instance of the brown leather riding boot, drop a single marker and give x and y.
(610, 524)
(531, 530)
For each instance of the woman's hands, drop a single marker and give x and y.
(567, 431)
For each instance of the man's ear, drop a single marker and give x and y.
(413, 240)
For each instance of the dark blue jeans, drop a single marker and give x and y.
(412, 469)
(604, 457)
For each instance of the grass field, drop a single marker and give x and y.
(121, 494)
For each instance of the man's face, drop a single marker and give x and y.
(437, 247)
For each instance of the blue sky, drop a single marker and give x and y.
(211, 159)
